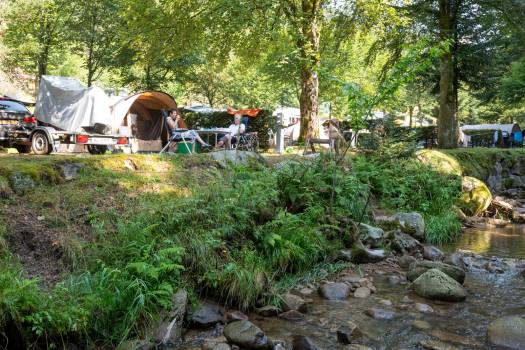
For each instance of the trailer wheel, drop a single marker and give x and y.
(97, 149)
(40, 144)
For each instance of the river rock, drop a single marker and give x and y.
(169, 332)
(424, 308)
(380, 314)
(421, 325)
(420, 267)
(362, 293)
(268, 311)
(222, 346)
(436, 285)
(386, 302)
(405, 261)
(334, 291)
(235, 315)
(508, 331)
(363, 255)
(211, 343)
(346, 334)
(294, 302)
(475, 197)
(432, 253)
(246, 335)
(345, 255)
(301, 342)
(432, 344)
(370, 235)
(404, 243)
(292, 315)
(455, 259)
(411, 223)
(207, 315)
(394, 279)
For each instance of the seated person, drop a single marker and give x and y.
(173, 121)
(234, 130)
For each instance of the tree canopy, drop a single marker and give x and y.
(268, 53)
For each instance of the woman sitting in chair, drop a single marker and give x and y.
(234, 130)
(174, 120)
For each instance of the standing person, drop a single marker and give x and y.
(334, 134)
(234, 130)
(174, 122)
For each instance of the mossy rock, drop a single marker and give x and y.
(440, 161)
(475, 197)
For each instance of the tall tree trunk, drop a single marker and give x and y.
(447, 122)
(410, 115)
(309, 48)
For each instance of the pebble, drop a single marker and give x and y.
(424, 308)
(421, 325)
(380, 314)
(394, 279)
(406, 300)
(362, 292)
(385, 302)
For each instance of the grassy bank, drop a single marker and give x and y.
(92, 260)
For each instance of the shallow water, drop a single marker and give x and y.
(490, 295)
(505, 242)
(463, 325)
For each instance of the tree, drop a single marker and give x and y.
(93, 28)
(34, 33)
(513, 84)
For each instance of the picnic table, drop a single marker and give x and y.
(213, 132)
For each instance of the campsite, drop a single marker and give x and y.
(262, 175)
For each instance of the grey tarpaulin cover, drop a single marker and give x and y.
(66, 104)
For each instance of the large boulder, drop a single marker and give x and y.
(508, 331)
(411, 223)
(246, 335)
(475, 197)
(370, 234)
(436, 285)
(417, 268)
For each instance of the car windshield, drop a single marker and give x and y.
(12, 106)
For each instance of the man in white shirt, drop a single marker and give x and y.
(234, 130)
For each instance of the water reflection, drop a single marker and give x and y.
(506, 242)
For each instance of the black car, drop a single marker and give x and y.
(14, 118)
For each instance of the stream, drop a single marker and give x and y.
(494, 258)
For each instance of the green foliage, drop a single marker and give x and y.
(408, 185)
(513, 84)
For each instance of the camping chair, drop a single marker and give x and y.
(175, 138)
(248, 141)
